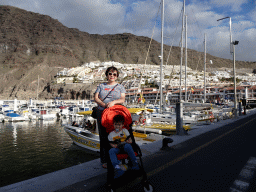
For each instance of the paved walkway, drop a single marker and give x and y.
(60, 179)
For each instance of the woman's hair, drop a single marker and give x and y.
(112, 69)
(118, 118)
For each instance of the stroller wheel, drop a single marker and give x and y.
(148, 188)
(111, 190)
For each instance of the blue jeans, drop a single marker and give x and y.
(114, 151)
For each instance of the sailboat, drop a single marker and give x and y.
(160, 121)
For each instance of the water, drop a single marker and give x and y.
(31, 149)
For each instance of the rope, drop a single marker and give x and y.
(152, 34)
(200, 32)
(173, 38)
(172, 46)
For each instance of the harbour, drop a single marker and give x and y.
(89, 175)
(181, 103)
(33, 148)
(30, 149)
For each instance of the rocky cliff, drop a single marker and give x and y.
(34, 45)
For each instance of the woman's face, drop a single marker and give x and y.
(112, 76)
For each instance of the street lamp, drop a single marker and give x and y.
(230, 23)
(232, 47)
(234, 67)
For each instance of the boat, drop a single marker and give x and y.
(83, 137)
(143, 122)
(164, 117)
(13, 117)
(44, 114)
(87, 136)
(1, 117)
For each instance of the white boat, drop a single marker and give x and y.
(13, 117)
(165, 117)
(2, 117)
(88, 137)
(146, 124)
(83, 137)
(64, 112)
(45, 115)
(190, 117)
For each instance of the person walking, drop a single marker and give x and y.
(107, 95)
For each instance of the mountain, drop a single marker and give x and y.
(33, 45)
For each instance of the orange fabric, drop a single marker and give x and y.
(124, 156)
(109, 113)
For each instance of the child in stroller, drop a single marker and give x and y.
(120, 140)
(119, 117)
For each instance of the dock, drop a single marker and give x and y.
(62, 180)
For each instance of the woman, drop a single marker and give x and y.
(107, 95)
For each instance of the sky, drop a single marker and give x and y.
(143, 18)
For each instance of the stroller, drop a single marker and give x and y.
(107, 122)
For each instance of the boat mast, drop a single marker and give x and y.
(204, 67)
(37, 88)
(186, 60)
(181, 50)
(162, 58)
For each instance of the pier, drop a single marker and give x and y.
(90, 176)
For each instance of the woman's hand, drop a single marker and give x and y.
(110, 104)
(116, 102)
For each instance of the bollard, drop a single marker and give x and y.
(240, 108)
(234, 112)
(179, 120)
(165, 143)
(244, 104)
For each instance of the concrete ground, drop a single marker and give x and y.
(85, 171)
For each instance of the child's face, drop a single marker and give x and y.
(118, 126)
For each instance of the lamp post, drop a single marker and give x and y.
(230, 23)
(162, 57)
(232, 50)
(234, 67)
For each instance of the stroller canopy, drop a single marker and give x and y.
(109, 113)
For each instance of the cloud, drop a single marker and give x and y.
(245, 50)
(218, 43)
(234, 4)
(202, 19)
(252, 14)
(242, 25)
(95, 16)
(28, 5)
(172, 11)
(140, 16)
